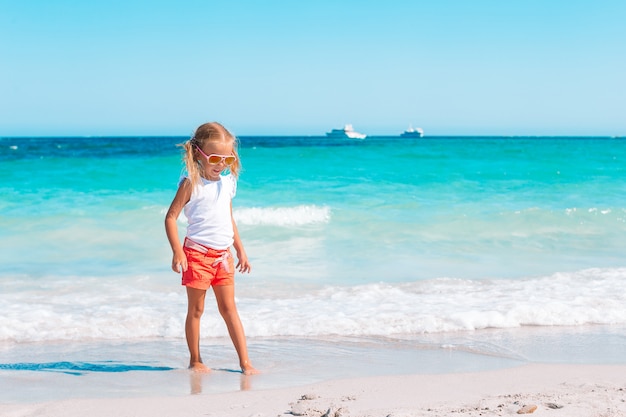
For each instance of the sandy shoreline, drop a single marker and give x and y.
(556, 390)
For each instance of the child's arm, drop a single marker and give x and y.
(243, 265)
(179, 260)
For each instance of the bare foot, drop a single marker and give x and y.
(248, 369)
(199, 367)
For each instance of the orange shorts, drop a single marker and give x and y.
(207, 266)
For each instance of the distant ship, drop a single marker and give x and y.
(346, 133)
(412, 133)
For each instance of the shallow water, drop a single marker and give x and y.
(148, 368)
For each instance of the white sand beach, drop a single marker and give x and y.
(553, 390)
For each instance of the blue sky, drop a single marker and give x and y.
(493, 67)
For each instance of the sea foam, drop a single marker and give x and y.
(283, 216)
(89, 309)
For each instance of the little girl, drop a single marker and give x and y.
(204, 257)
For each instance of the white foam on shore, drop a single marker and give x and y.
(83, 308)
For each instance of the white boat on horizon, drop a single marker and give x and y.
(346, 133)
(418, 132)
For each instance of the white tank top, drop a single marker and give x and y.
(208, 212)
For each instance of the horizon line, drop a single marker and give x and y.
(320, 136)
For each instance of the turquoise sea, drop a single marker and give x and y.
(415, 255)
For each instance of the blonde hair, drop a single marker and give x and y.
(207, 133)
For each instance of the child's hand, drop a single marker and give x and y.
(242, 264)
(179, 261)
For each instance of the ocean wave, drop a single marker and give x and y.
(122, 311)
(283, 216)
(592, 296)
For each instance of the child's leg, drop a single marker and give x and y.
(225, 296)
(195, 308)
